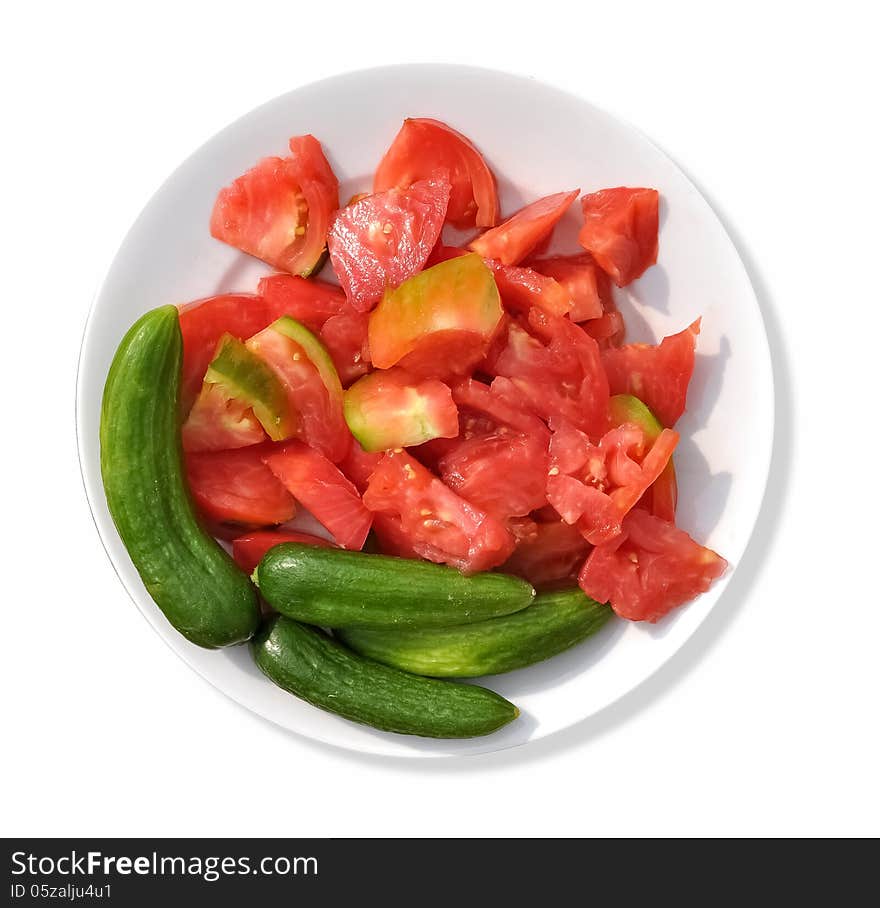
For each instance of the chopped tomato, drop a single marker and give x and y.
(650, 569)
(345, 337)
(203, 323)
(393, 409)
(657, 374)
(438, 323)
(595, 486)
(551, 555)
(513, 240)
(218, 422)
(380, 241)
(424, 146)
(248, 550)
(560, 375)
(306, 371)
(502, 472)
(521, 288)
(321, 488)
(434, 521)
(279, 211)
(501, 403)
(358, 465)
(609, 329)
(584, 281)
(620, 231)
(237, 487)
(311, 301)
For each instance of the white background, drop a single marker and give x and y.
(765, 724)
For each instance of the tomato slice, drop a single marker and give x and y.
(203, 323)
(393, 409)
(513, 240)
(279, 211)
(560, 375)
(657, 374)
(424, 146)
(346, 340)
(553, 554)
(380, 241)
(585, 282)
(311, 301)
(218, 422)
(650, 569)
(307, 374)
(438, 323)
(237, 487)
(436, 523)
(502, 472)
(321, 488)
(501, 403)
(248, 550)
(620, 231)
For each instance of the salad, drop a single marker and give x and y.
(491, 463)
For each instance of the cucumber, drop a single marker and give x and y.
(193, 581)
(336, 588)
(310, 664)
(553, 623)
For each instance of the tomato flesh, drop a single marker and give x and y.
(551, 555)
(321, 488)
(657, 374)
(513, 240)
(424, 146)
(218, 422)
(248, 550)
(501, 403)
(237, 487)
(311, 301)
(650, 569)
(345, 337)
(393, 409)
(380, 241)
(436, 523)
(279, 211)
(620, 231)
(584, 281)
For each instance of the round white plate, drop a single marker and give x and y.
(537, 140)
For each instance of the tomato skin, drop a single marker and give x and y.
(311, 301)
(650, 569)
(657, 374)
(560, 375)
(383, 239)
(435, 522)
(502, 472)
(236, 486)
(321, 488)
(620, 231)
(554, 553)
(424, 146)
(248, 550)
(513, 240)
(279, 211)
(585, 282)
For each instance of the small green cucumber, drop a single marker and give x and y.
(309, 663)
(193, 581)
(336, 588)
(552, 623)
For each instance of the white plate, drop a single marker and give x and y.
(538, 140)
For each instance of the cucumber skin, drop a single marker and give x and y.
(313, 666)
(194, 582)
(553, 623)
(336, 588)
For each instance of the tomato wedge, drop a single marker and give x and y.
(513, 240)
(279, 211)
(501, 403)
(346, 338)
(237, 487)
(310, 381)
(620, 231)
(218, 422)
(383, 239)
(311, 301)
(658, 374)
(424, 146)
(321, 488)
(435, 523)
(650, 569)
(554, 553)
(438, 323)
(248, 550)
(582, 279)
